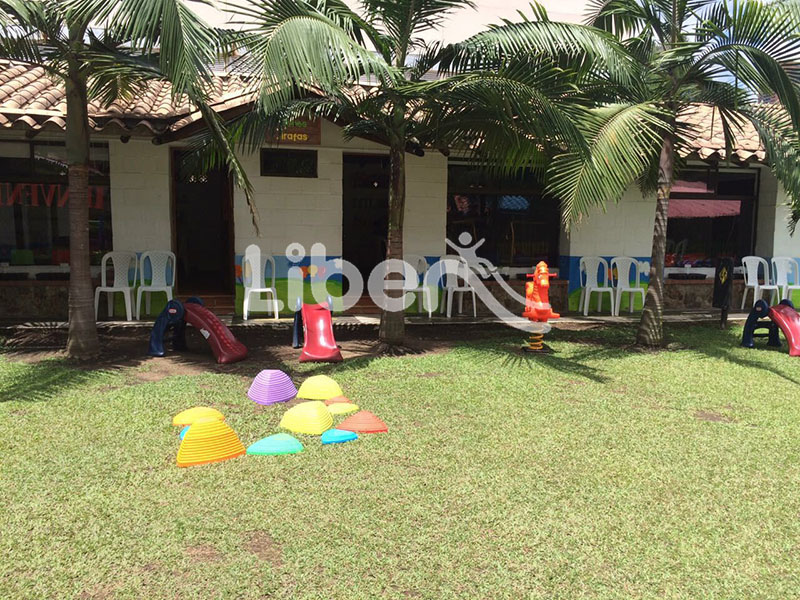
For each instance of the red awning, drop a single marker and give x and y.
(703, 209)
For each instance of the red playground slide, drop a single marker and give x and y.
(225, 346)
(319, 344)
(788, 319)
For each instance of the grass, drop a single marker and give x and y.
(594, 472)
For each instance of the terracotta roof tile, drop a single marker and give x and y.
(707, 140)
(29, 99)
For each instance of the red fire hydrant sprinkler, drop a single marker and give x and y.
(537, 306)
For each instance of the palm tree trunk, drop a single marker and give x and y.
(82, 342)
(651, 327)
(392, 329)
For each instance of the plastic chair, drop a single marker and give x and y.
(160, 263)
(752, 265)
(254, 267)
(420, 268)
(784, 267)
(456, 273)
(588, 269)
(622, 283)
(121, 262)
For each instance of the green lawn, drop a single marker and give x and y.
(594, 472)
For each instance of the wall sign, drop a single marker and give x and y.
(303, 132)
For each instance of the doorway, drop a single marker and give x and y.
(202, 227)
(365, 210)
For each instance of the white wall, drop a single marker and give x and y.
(773, 218)
(292, 209)
(308, 210)
(765, 218)
(425, 224)
(140, 195)
(625, 228)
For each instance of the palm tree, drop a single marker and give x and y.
(723, 54)
(505, 96)
(101, 49)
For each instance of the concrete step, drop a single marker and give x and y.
(221, 304)
(364, 306)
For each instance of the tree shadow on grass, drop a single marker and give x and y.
(42, 381)
(575, 365)
(728, 350)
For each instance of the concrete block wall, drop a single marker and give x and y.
(425, 223)
(308, 211)
(292, 209)
(140, 195)
(624, 228)
(772, 232)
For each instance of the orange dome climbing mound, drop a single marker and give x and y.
(337, 400)
(208, 440)
(191, 415)
(363, 422)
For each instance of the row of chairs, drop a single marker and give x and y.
(455, 281)
(124, 264)
(781, 277)
(595, 279)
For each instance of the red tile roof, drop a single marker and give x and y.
(708, 140)
(30, 100)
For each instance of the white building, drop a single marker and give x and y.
(314, 187)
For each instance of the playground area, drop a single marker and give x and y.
(611, 472)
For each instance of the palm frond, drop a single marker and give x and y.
(301, 48)
(32, 32)
(623, 141)
(404, 20)
(781, 141)
(538, 37)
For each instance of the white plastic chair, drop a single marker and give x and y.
(423, 292)
(121, 263)
(456, 273)
(254, 266)
(161, 261)
(589, 266)
(752, 264)
(784, 268)
(622, 283)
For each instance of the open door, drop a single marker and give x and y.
(365, 210)
(202, 228)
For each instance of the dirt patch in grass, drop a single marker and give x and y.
(125, 347)
(203, 553)
(161, 368)
(264, 547)
(712, 417)
(98, 592)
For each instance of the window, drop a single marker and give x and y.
(520, 226)
(288, 163)
(34, 196)
(711, 215)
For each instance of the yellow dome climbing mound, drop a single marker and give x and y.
(319, 387)
(208, 440)
(190, 415)
(342, 408)
(311, 418)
